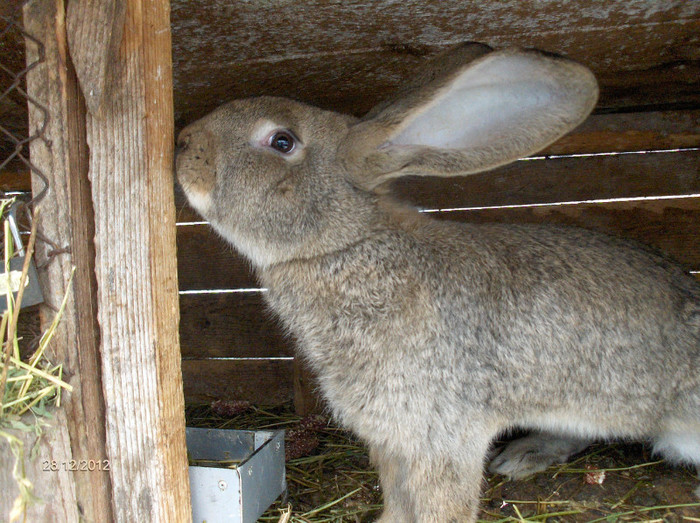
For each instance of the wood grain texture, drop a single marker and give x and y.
(353, 83)
(258, 381)
(636, 131)
(55, 489)
(318, 26)
(94, 34)
(349, 55)
(205, 261)
(307, 399)
(65, 218)
(131, 173)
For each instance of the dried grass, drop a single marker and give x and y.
(32, 386)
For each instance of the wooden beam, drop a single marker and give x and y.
(66, 219)
(348, 55)
(559, 180)
(131, 157)
(118, 340)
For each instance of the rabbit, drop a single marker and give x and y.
(429, 337)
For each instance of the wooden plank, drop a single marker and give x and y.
(206, 261)
(318, 26)
(89, 22)
(354, 82)
(230, 326)
(262, 382)
(131, 158)
(637, 131)
(52, 479)
(560, 180)
(350, 55)
(307, 398)
(65, 218)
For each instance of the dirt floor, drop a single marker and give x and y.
(330, 478)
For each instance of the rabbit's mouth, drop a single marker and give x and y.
(200, 200)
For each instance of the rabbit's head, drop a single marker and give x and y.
(280, 179)
(265, 172)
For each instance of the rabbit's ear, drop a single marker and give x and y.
(472, 117)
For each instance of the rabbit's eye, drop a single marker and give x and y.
(283, 142)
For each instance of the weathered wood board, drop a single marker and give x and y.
(348, 55)
(111, 214)
(230, 325)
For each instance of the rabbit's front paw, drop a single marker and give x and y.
(534, 453)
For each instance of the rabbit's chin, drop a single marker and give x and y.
(200, 201)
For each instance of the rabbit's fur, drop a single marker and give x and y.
(429, 337)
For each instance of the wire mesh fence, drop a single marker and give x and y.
(15, 134)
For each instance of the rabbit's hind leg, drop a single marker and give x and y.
(535, 452)
(681, 448)
(679, 439)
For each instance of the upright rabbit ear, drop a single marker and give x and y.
(471, 117)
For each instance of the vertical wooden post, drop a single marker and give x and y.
(111, 211)
(131, 161)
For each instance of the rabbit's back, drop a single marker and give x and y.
(521, 321)
(576, 319)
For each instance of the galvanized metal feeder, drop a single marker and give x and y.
(236, 475)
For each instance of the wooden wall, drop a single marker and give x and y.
(347, 56)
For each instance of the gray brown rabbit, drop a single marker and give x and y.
(429, 337)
